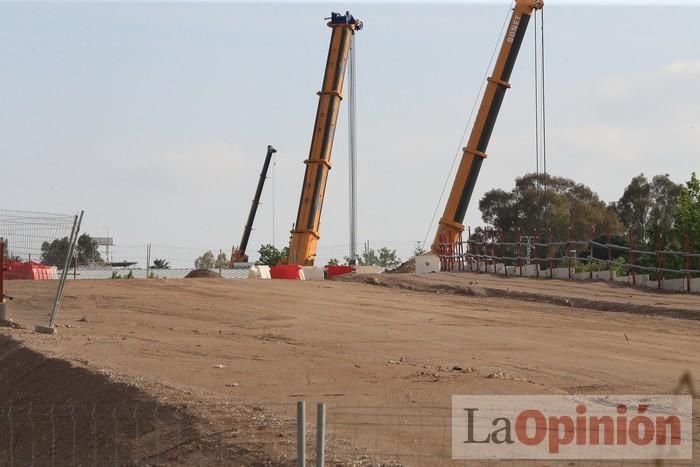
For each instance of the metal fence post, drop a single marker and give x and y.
(64, 274)
(3, 310)
(320, 435)
(687, 262)
(301, 434)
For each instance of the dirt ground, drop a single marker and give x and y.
(208, 370)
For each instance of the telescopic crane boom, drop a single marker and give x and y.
(238, 254)
(451, 223)
(302, 246)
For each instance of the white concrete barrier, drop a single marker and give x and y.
(530, 270)
(426, 264)
(312, 273)
(259, 272)
(603, 275)
(369, 269)
(695, 285)
(679, 285)
(639, 279)
(560, 273)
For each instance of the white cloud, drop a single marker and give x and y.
(683, 67)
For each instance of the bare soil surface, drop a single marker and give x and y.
(180, 372)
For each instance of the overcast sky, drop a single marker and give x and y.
(154, 118)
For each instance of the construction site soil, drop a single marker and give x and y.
(207, 372)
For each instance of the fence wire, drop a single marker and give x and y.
(244, 435)
(486, 250)
(36, 247)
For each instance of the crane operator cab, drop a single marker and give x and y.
(347, 18)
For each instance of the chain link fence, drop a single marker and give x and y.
(35, 246)
(263, 434)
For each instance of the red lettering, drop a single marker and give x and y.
(521, 427)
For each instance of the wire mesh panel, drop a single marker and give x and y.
(37, 247)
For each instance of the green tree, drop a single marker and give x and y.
(271, 256)
(388, 258)
(634, 207)
(528, 206)
(419, 250)
(687, 216)
(383, 257)
(665, 195)
(647, 208)
(206, 261)
(161, 264)
(333, 262)
(221, 261)
(54, 253)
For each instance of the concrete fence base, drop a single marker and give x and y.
(4, 319)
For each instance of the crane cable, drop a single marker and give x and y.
(537, 121)
(467, 126)
(541, 178)
(544, 125)
(274, 217)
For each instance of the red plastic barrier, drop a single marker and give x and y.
(334, 271)
(29, 270)
(286, 271)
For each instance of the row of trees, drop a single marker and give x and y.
(384, 257)
(54, 253)
(648, 210)
(209, 261)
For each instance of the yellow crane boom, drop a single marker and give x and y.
(302, 246)
(451, 224)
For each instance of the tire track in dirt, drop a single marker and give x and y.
(409, 283)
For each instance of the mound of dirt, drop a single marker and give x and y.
(407, 266)
(203, 274)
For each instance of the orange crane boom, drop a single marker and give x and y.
(302, 246)
(451, 224)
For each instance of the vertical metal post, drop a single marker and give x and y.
(2, 270)
(659, 261)
(568, 249)
(687, 262)
(519, 249)
(320, 435)
(470, 248)
(549, 252)
(610, 270)
(590, 253)
(64, 274)
(504, 251)
(633, 245)
(301, 434)
(537, 259)
(148, 260)
(3, 312)
(352, 148)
